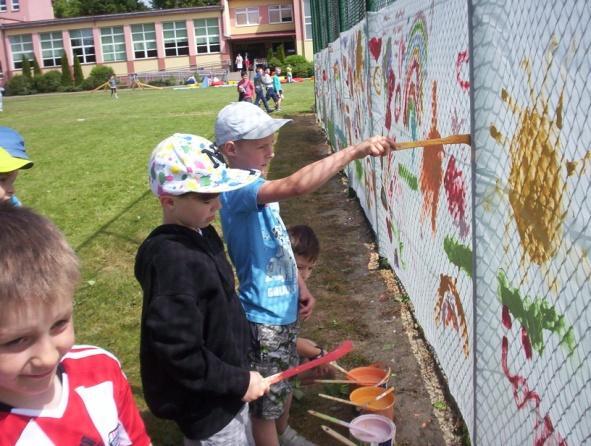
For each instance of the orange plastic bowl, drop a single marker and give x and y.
(370, 376)
(365, 395)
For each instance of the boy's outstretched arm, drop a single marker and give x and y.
(311, 177)
(306, 301)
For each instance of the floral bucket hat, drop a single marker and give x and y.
(189, 163)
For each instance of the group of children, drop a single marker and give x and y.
(266, 86)
(205, 349)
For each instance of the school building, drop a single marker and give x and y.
(158, 40)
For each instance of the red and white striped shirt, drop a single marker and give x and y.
(96, 408)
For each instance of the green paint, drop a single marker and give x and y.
(536, 316)
(331, 134)
(358, 170)
(408, 176)
(458, 254)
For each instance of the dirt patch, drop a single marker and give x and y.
(359, 301)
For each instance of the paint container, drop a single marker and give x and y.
(370, 376)
(384, 431)
(367, 395)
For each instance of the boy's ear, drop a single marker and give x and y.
(166, 201)
(228, 149)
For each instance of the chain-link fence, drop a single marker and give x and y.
(492, 244)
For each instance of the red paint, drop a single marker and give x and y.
(543, 428)
(375, 47)
(463, 58)
(455, 191)
(324, 76)
(391, 83)
(506, 317)
(526, 343)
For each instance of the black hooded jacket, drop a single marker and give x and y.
(194, 333)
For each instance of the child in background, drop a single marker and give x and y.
(277, 87)
(113, 85)
(259, 88)
(194, 334)
(245, 88)
(13, 157)
(288, 74)
(259, 247)
(306, 249)
(53, 392)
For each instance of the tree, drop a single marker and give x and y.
(170, 4)
(26, 67)
(66, 74)
(36, 69)
(76, 8)
(281, 53)
(78, 74)
(269, 55)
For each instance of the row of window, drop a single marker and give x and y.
(15, 5)
(143, 36)
(277, 14)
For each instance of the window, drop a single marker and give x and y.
(52, 48)
(207, 35)
(21, 46)
(3, 5)
(144, 41)
(247, 16)
(307, 20)
(83, 45)
(16, 5)
(280, 14)
(113, 43)
(176, 42)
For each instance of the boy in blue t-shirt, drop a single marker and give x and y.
(260, 249)
(13, 157)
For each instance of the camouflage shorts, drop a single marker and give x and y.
(273, 350)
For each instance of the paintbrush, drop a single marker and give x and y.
(337, 436)
(454, 139)
(335, 381)
(340, 400)
(381, 395)
(341, 423)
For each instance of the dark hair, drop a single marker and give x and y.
(36, 262)
(304, 242)
(244, 73)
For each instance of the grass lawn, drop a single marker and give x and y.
(90, 178)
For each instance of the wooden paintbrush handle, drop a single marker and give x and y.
(454, 139)
(337, 436)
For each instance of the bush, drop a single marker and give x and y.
(66, 74)
(98, 76)
(274, 62)
(26, 67)
(280, 53)
(165, 82)
(78, 74)
(48, 82)
(305, 69)
(295, 60)
(19, 85)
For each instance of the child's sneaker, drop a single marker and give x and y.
(290, 437)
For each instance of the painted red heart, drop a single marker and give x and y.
(375, 47)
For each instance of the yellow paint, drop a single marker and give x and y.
(571, 166)
(536, 185)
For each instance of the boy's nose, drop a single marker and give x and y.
(46, 355)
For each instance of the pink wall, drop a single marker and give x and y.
(29, 10)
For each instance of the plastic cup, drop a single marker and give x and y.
(383, 428)
(366, 395)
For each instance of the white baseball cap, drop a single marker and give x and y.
(243, 120)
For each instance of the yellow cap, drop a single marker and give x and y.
(9, 163)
